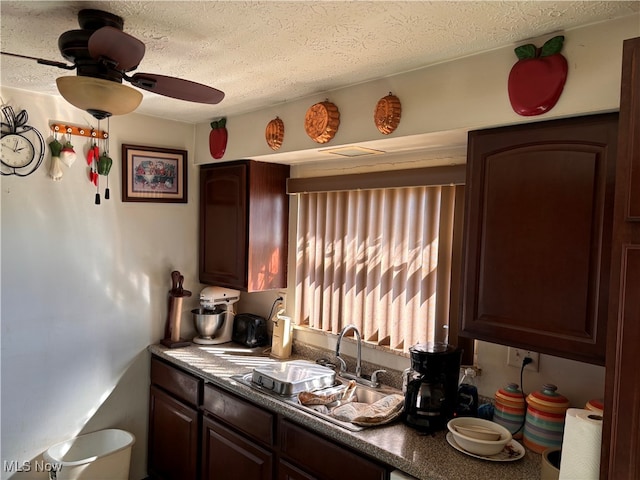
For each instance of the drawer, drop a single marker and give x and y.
(182, 385)
(311, 451)
(240, 414)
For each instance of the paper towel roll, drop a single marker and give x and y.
(581, 445)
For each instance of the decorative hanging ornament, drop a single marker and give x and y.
(218, 137)
(68, 154)
(386, 116)
(94, 152)
(274, 133)
(55, 170)
(321, 121)
(537, 79)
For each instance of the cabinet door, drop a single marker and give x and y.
(268, 226)
(323, 458)
(223, 226)
(173, 438)
(621, 445)
(227, 455)
(244, 214)
(538, 235)
(286, 471)
(245, 417)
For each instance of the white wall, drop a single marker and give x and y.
(84, 288)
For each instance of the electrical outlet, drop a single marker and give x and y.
(515, 356)
(284, 300)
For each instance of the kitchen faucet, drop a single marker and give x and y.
(342, 368)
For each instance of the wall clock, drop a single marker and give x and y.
(322, 121)
(21, 146)
(387, 114)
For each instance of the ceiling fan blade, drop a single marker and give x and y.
(176, 88)
(42, 61)
(117, 46)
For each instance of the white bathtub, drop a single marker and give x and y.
(101, 455)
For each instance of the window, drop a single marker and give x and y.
(379, 258)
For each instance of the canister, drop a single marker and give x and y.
(544, 423)
(595, 405)
(510, 409)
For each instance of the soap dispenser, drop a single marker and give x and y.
(467, 405)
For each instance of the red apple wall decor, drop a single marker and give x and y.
(218, 138)
(538, 77)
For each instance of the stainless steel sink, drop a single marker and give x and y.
(370, 395)
(363, 394)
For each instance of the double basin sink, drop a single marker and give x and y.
(361, 394)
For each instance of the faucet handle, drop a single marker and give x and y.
(374, 376)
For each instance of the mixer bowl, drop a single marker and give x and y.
(207, 322)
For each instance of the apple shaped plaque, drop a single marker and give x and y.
(537, 78)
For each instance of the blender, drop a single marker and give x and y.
(214, 319)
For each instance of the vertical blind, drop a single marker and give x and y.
(378, 258)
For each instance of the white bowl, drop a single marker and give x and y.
(478, 446)
(481, 433)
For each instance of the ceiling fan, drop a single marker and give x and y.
(103, 55)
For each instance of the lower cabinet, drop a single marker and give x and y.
(323, 459)
(286, 471)
(227, 455)
(174, 424)
(202, 432)
(237, 438)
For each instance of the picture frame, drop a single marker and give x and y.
(153, 174)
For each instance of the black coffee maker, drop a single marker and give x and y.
(431, 385)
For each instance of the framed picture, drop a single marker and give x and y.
(152, 174)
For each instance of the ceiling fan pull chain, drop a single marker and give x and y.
(98, 190)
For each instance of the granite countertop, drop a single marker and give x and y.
(427, 457)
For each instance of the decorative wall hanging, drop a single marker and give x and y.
(151, 174)
(55, 168)
(66, 154)
(537, 79)
(321, 121)
(218, 137)
(99, 165)
(274, 133)
(80, 131)
(61, 153)
(386, 116)
(21, 145)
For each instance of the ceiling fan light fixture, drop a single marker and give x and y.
(101, 98)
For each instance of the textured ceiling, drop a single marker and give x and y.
(263, 53)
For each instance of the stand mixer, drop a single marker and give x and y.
(214, 319)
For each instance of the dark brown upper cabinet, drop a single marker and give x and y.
(620, 446)
(538, 222)
(244, 214)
